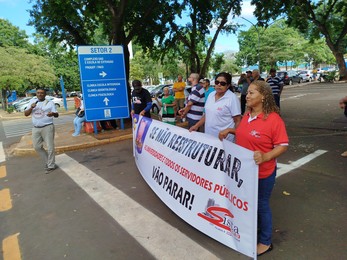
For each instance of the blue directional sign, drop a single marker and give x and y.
(103, 82)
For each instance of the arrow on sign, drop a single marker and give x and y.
(103, 74)
(106, 101)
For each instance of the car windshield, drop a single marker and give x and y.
(150, 88)
(24, 99)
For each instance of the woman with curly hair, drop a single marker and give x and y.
(262, 130)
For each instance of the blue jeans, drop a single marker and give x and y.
(77, 122)
(265, 187)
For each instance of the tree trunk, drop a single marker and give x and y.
(342, 65)
(4, 99)
(339, 59)
(210, 49)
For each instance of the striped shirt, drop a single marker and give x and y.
(197, 96)
(276, 84)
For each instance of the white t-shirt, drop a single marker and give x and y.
(219, 114)
(39, 113)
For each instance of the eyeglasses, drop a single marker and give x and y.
(222, 83)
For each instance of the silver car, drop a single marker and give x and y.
(22, 106)
(306, 75)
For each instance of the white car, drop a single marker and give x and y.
(20, 100)
(306, 75)
(156, 108)
(22, 106)
(57, 101)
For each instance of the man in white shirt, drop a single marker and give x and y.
(42, 112)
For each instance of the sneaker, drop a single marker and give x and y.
(75, 134)
(49, 170)
(344, 154)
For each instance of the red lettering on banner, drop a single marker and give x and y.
(224, 191)
(202, 182)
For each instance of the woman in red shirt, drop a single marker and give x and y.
(262, 130)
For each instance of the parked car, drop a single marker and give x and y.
(155, 106)
(307, 75)
(22, 106)
(290, 77)
(150, 87)
(158, 91)
(19, 100)
(72, 94)
(264, 75)
(57, 101)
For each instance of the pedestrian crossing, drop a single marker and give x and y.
(20, 127)
(124, 210)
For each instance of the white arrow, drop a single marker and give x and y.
(106, 101)
(103, 74)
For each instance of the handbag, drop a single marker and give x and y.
(78, 113)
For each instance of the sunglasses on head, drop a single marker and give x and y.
(222, 83)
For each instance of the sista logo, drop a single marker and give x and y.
(221, 218)
(255, 134)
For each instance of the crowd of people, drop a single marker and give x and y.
(254, 123)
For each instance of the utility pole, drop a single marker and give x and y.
(258, 47)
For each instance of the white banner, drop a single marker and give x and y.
(210, 184)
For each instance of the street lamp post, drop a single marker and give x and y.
(258, 47)
(246, 58)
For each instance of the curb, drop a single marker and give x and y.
(66, 148)
(11, 117)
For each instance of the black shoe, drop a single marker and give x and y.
(266, 251)
(49, 170)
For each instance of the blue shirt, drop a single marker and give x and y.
(208, 92)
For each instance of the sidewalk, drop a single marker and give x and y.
(64, 141)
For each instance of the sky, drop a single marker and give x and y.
(16, 11)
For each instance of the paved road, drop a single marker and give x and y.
(60, 216)
(20, 127)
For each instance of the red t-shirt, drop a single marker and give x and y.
(262, 135)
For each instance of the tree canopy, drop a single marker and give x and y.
(20, 67)
(280, 43)
(11, 35)
(121, 21)
(153, 24)
(327, 18)
(188, 38)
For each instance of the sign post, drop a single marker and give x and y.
(63, 91)
(103, 80)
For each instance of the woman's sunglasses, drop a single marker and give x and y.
(222, 83)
